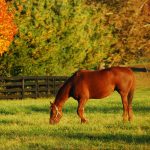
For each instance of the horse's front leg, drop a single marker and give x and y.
(80, 110)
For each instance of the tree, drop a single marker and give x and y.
(58, 37)
(132, 26)
(7, 27)
(131, 20)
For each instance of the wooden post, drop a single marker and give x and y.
(22, 88)
(54, 86)
(47, 80)
(36, 87)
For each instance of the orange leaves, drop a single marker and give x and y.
(7, 27)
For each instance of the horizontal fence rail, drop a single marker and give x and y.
(30, 86)
(135, 69)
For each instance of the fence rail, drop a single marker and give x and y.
(136, 69)
(30, 86)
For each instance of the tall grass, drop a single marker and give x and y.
(24, 124)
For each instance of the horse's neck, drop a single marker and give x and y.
(62, 96)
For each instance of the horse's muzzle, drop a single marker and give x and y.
(52, 122)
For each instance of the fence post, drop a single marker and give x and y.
(47, 80)
(22, 87)
(54, 86)
(36, 87)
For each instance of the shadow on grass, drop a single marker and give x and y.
(34, 108)
(9, 111)
(107, 109)
(92, 137)
(140, 139)
(26, 109)
(114, 108)
(4, 121)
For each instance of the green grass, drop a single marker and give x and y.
(24, 124)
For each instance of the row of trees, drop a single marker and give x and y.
(58, 37)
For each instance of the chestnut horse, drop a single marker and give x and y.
(84, 85)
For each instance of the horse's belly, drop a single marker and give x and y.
(98, 93)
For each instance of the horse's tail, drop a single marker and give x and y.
(130, 96)
(131, 92)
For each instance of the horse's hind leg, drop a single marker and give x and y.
(80, 110)
(125, 106)
(130, 97)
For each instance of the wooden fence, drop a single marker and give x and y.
(30, 86)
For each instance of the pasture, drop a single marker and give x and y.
(24, 124)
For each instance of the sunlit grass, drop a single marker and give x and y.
(24, 124)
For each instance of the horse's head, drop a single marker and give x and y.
(55, 114)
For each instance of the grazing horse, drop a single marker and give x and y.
(84, 85)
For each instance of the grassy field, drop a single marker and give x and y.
(24, 124)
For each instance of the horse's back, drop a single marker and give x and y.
(104, 74)
(92, 84)
(100, 83)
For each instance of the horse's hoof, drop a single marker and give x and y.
(130, 119)
(125, 119)
(84, 121)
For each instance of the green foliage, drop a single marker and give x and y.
(58, 37)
